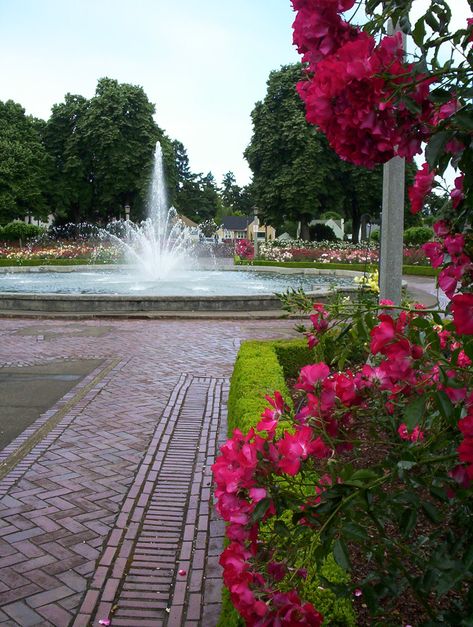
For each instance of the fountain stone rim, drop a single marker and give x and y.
(45, 304)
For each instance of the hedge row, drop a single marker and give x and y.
(4, 262)
(261, 368)
(360, 267)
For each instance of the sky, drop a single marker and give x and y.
(203, 63)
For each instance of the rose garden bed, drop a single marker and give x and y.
(342, 486)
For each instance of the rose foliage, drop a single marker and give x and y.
(377, 464)
(407, 407)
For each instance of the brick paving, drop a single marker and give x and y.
(98, 517)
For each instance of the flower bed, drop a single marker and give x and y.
(80, 252)
(370, 464)
(333, 252)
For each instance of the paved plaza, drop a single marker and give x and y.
(106, 496)
(109, 429)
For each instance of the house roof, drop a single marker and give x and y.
(236, 223)
(186, 221)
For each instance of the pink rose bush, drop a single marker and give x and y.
(412, 394)
(337, 252)
(245, 249)
(376, 461)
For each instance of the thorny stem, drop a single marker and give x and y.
(399, 563)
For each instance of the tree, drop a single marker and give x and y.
(24, 165)
(295, 175)
(198, 198)
(182, 164)
(121, 135)
(72, 189)
(230, 191)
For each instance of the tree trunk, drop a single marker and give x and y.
(305, 232)
(355, 220)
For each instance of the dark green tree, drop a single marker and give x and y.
(245, 203)
(24, 165)
(72, 183)
(121, 134)
(292, 179)
(230, 191)
(296, 175)
(198, 198)
(182, 163)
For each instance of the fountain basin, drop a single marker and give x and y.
(28, 290)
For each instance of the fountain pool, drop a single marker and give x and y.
(113, 291)
(162, 274)
(179, 283)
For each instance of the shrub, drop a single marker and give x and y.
(417, 235)
(394, 491)
(293, 355)
(259, 370)
(257, 373)
(330, 215)
(322, 233)
(375, 236)
(15, 231)
(245, 249)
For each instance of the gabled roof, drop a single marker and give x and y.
(187, 221)
(236, 223)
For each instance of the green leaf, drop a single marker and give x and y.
(432, 512)
(432, 21)
(372, 4)
(414, 411)
(352, 531)
(361, 477)
(340, 553)
(418, 34)
(444, 404)
(435, 147)
(281, 529)
(439, 493)
(440, 96)
(464, 119)
(260, 509)
(408, 521)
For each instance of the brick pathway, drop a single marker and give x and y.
(100, 511)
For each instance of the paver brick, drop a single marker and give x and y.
(22, 614)
(113, 451)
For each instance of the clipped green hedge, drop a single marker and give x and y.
(360, 267)
(292, 356)
(261, 368)
(257, 373)
(4, 262)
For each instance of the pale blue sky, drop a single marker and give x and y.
(203, 63)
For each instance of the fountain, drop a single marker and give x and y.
(162, 243)
(161, 274)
